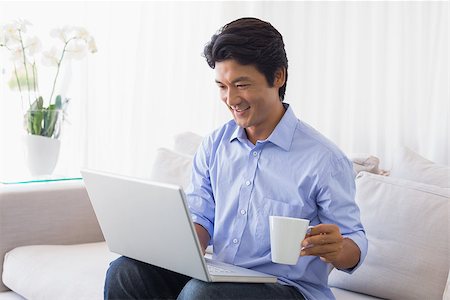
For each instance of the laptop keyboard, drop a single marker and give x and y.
(218, 270)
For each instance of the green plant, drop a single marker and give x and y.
(42, 120)
(42, 117)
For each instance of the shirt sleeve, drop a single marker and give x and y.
(199, 195)
(336, 202)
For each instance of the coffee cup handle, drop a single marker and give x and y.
(307, 231)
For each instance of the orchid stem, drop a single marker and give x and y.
(59, 66)
(18, 84)
(25, 65)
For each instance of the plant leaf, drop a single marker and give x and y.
(37, 104)
(35, 118)
(58, 104)
(40, 103)
(50, 117)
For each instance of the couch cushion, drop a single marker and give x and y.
(341, 294)
(45, 213)
(58, 272)
(411, 166)
(447, 288)
(187, 143)
(407, 225)
(10, 296)
(171, 167)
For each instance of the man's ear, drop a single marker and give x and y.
(280, 77)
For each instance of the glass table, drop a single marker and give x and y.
(32, 179)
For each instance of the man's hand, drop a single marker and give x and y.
(326, 241)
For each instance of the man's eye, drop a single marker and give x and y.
(242, 86)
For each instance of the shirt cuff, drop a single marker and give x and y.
(205, 223)
(361, 241)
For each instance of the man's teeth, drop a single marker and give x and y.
(240, 110)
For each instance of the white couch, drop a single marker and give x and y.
(55, 250)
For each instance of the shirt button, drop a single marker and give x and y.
(255, 154)
(248, 182)
(235, 241)
(243, 211)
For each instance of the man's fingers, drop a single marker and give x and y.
(323, 229)
(325, 250)
(322, 239)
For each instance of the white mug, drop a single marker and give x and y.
(286, 235)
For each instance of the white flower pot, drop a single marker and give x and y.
(41, 154)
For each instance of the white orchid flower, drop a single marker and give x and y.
(81, 33)
(63, 33)
(11, 34)
(92, 46)
(13, 31)
(50, 58)
(58, 33)
(76, 49)
(33, 46)
(22, 25)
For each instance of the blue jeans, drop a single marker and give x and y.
(131, 279)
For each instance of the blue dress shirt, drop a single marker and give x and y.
(295, 172)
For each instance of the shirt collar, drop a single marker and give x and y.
(281, 136)
(239, 133)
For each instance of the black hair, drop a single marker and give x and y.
(250, 41)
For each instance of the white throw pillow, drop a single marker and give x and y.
(407, 225)
(187, 143)
(447, 288)
(171, 167)
(410, 165)
(57, 271)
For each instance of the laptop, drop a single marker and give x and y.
(150, 222)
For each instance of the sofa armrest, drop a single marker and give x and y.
(57, 213)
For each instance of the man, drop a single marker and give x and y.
(264, 162)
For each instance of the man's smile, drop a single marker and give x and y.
(237, 109)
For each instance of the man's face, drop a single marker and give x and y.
(254, 105)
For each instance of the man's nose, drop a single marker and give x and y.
(232, 97)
